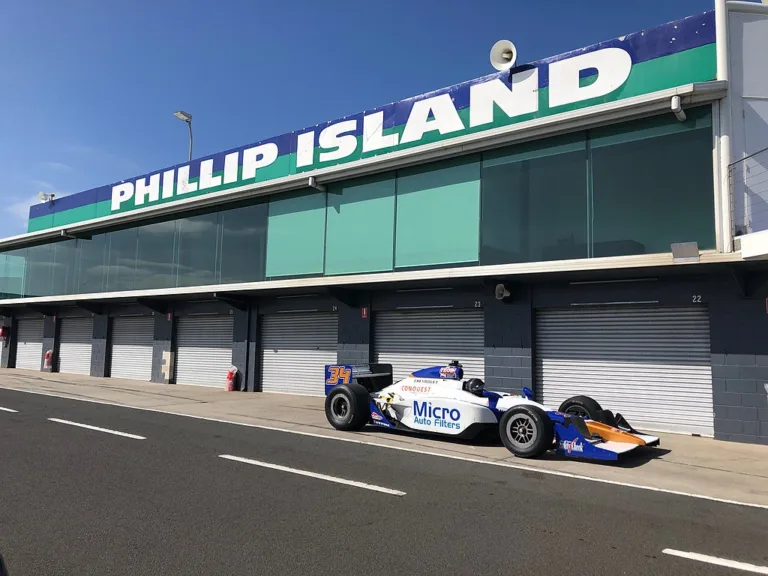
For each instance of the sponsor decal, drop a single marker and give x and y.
(427, 414)
(448, 371)
(412, 388)
(375, 416)
(572, 446)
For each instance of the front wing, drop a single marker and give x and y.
(590, 440)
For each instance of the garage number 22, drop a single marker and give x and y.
(339, 374)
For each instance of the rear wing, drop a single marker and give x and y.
(373, 377)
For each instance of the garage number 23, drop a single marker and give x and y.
(338, 374)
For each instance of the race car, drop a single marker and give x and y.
(438, 400)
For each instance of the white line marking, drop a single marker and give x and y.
(718, 561)
(314, 475)
(403, 449)
(107, 430)
(8, 410)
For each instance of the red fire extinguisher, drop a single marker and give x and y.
(231, 377)
(48, 361)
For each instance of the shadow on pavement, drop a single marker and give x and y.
(637, 457)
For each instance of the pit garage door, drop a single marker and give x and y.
(410, 340)
(75, 338)
(295, 349)
(652, 365)
(132, 339)
(203, 350)
(29, 344)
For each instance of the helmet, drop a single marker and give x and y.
(475, 386)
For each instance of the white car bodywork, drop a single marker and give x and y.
(441, 405)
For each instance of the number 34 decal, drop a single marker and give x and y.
(338, 374)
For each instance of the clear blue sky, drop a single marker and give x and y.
(88, 87)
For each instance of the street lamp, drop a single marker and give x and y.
(186, 117)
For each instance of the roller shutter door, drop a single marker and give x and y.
(29, 344)
(203, 350)
(652, 365)
(410, 340)
(132, 340)
(75, 338)
(295, 349)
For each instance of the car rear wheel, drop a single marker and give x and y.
(583, 406)
(526, 431)
(347, 407)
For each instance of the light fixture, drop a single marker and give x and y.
(677, 109)
(186, 117)
(685, 252)
(313, 183)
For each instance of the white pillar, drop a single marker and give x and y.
(721, 42)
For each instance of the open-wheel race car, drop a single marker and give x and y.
(438, 400)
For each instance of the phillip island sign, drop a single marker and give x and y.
(675, 54)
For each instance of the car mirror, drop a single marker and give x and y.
(528, 393)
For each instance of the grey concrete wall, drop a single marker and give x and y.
(8, 353)
(253, 374)
(164, 336)
(739, 331)
(245, 347)
(50, 342)
(100, 346)
(354, 345)
(508, 343)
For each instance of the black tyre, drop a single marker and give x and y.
(526, 431)
(583, 406)
(347, 407)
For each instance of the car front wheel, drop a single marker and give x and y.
(526, 431)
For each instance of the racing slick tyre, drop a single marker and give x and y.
(583, 406)
(526, 431)
(347, 407)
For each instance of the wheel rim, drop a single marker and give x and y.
(522, 431)
(340, 407)
(577, 411)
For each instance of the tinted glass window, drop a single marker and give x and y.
(198, 239)
(244, 243)
(64, 268)
(12, 271)
(361, 226)
(438, 213)
(534, 202)
(39, 270)
(653, 185)
(296, 234)
(155, 266)
(121, 260)
(91, 268)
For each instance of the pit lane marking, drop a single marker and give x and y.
(314, 475)
(97, 429)
(717, 561)
(8, 410)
